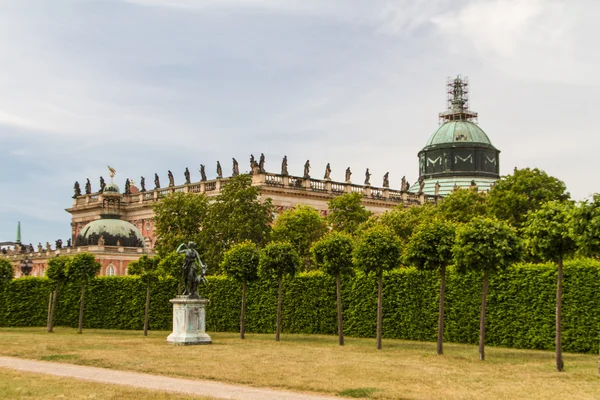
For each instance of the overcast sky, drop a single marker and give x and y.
(151, 85)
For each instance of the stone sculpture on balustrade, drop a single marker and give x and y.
(187, 176)
(367, 178)
(202, 173)
(327, 172)
(171, 179)
(76, 190)
(261, 164)
(88, 187)
(284, 166)
(156, 181)
(219, 171)
(307, 169)
(102, 184)
(348, 175)
(235, 169)
(143, 184)
(386, 180)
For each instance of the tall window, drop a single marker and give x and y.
(110, 270)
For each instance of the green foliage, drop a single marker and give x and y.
(235, 215)
(333, 253)
(513, 196)
(462, 205)
(178, 218)
(145, 267)
(346, 212)
(548, 231)
(170, 264)
(520, 305)
(430, 246)
(403, 221)
(82, 268)
(57, 269)
(241, 261)
(378, 250)
(7, 272)
(301, 226)
(278, 259)
(486, 243)
(587, 226)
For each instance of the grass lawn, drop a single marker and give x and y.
(25, 385)
(314, 363)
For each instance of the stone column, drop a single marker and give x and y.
(189, 321)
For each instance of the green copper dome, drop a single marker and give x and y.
(112, 230)
(458, 131)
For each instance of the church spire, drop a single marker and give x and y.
(18, 233)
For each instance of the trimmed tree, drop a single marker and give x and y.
(549, 235)
(57, 267)
(346, 212)
(462, 205)
(430, 249)
(278, 260)
(82, 268)
(145, 267)
(489, 245)
(240, 262)
(378, 250)
(333, 253)
(301, 226)
(7, 273)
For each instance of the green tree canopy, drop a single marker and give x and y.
(241, 261)
(513, 196)
(346, 212)
(462, 205)
(278, 259)
(301, 226)
(236, 215)
(57, 269)
(377, 250)
(146, 267)
(82, 268)
(403, 221)
(333, 253)
(7, 272)
(178, 218)
(587, 226)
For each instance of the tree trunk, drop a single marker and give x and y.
(49, 310)
(243, 312)
(81, 308)
(147, 310)
(484, 290)
(279, 296)
(379, 310)
(338, 287)
(53, 309)
(440, 336)
(559, 360)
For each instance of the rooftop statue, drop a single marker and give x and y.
(88, 187)
(421, 185)
(403, 184)
(219, 171)
(187, 176)
(143, 184)
(261, 164)
(191, 265)
(252, 162)
(76, 190)
(307, 169)
(171, 179)
(367, 177)
(156, 181)
(236, 168)
(101, 241)
(386, 180)
(348, 174)
(102, 184)
(58, 244)
(202, 173)
(69, 242)
(327, 172)
(284, 166)
(127, 186)
(111, 172)
(437, 188)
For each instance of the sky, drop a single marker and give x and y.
(149, 86)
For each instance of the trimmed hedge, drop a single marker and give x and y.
(520, 305)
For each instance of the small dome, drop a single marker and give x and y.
(112, 230)
(111, 188)
(458, 131)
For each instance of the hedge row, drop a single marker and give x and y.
(521, 305)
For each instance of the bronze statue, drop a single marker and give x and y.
(171, 179)
(307, 169)
(252, 162)
(187, 176)
(69, 242)
(76, 190)
(58, 244)
(156, 181)
(143, 184)
(348, 174)
(327, 172)
(437, 188)
(88, 187)
(202, 173)
(421, 185)
(236, 168)
(386, 180)
(219, 171)
(367, 177)
(284, 166)
(191, 264)
(102, 184)
(261, 164)
(127, 186)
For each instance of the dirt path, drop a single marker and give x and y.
(154, 382)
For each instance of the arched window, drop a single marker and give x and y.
(110, 270)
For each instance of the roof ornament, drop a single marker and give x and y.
(111, 173)
(458, 101)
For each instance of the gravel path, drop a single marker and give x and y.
(154, 382)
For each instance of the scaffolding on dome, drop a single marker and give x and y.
(457, 100)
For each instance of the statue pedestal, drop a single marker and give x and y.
(189, 321)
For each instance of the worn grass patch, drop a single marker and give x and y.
(358, 392)
(315, 363)
(26, 385)
(59, 357)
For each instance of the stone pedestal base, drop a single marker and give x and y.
(189, 326)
